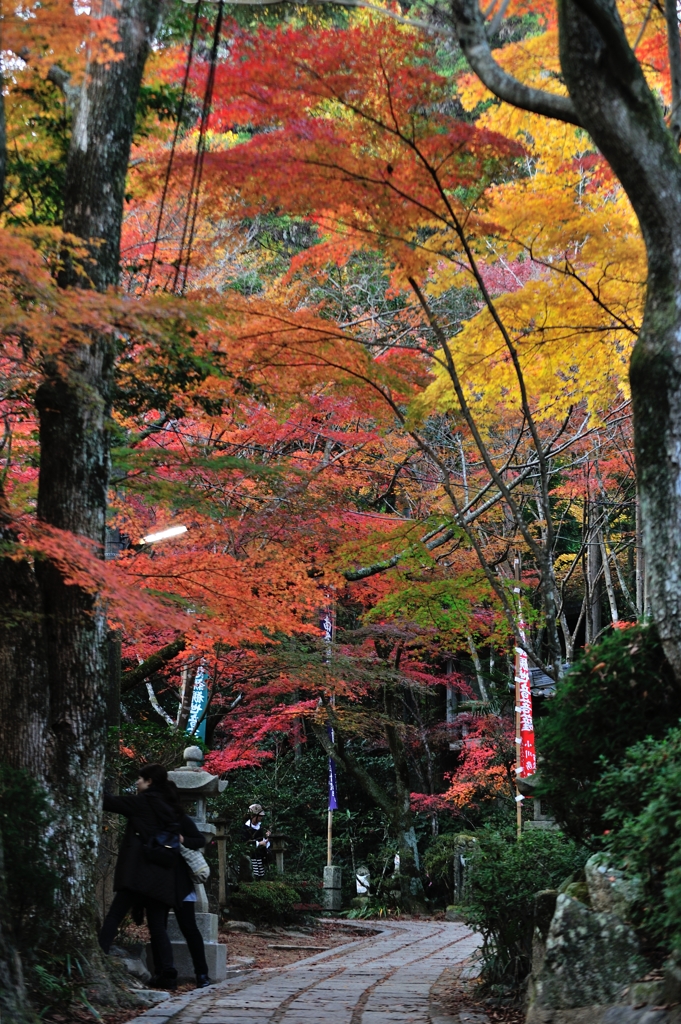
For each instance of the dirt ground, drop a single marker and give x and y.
(454, 995)
(261, 945)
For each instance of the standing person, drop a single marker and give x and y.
(139, 879)
(185, 896)
(257, 839)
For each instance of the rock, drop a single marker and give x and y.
(582, 1015)
(239, 926)
(138, 970)
(671, 991)
(359, 902)
(240, 962)
(453, 913)
(634, 1015)
(644, 993)
(610, 891)
(588, 959)
(602, 1015)
(544, 909)
(132, 964)
(579, 891)
(151, 996)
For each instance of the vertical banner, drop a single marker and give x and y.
(527, 760)
(327, 625)
(198, 704)
(333, 803)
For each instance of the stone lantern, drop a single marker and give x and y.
(195, 786)
(278, 845)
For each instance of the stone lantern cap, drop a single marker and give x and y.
(191, 778)
(278, 841)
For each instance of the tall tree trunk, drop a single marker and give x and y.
(639, 562)
(54, 660)
(72, 493)
(24, 697)
(607, 576)
(593, 579)
(100, 142)
(616, 106)
(484, 695)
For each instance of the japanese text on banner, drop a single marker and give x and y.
(528, 757)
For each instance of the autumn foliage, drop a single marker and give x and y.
(352, 413)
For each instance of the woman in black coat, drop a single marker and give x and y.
(256, 839)
(138, 879)
(185, 897)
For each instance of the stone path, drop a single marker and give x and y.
(383, 979)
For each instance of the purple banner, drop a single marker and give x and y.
(332, 785)
(333, 803)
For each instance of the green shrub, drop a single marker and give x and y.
(643, 795)
(309, 889)
(438, 862)
(263, 901)
(620, 691)
(504, 876)
(383, 906)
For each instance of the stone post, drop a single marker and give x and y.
(222, 863)
(331, 893)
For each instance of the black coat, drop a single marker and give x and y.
(148, 814)
(252, 836)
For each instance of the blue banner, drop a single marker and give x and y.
(198, 704)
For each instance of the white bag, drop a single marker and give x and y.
(197, 863)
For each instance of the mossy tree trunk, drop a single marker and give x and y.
(53, 644)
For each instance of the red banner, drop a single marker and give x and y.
(528, 757)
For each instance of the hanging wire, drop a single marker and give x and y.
(189, 230)
(169, 168)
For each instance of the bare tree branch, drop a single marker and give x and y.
(62, 79)
(470, 29)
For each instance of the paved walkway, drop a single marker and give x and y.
(383, 979)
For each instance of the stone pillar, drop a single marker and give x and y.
(216, 952)
(277, 847)
(196, 785)
(222, 864)
(331, 893)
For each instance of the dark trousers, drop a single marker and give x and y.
(186, 919)
(157, 916)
